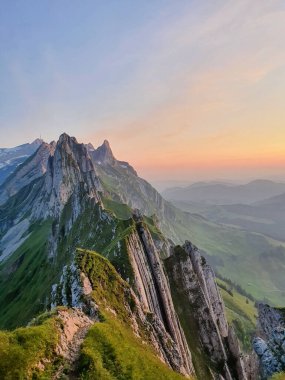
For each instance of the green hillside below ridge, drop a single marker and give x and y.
(241, 313)
(27, 276)
(243, 256)
(240, 307)
(110, 350)
(250, 259)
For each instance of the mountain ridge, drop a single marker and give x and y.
(65, 208)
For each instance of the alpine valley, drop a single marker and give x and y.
(101, 278)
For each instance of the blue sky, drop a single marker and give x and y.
(195, 88)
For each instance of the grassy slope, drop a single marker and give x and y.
(24, 279)
(27, 276)
(249, 259)
(252, 260)
(111, 350)
(241, 313)
(235, 254)
(24, 348)
(190, 328)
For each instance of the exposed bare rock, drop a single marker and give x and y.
(70, 176)
(269, 345)
(74, 320)
(201, 307)
(74, 290)
(103, 154)
(73, 329)
(153, 289)
(32, 169)
(12, 158)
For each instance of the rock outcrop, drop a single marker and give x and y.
(269, 344)
(201, 309)
(69, 177)
(75, 290)
(153, 289)
(35, 167)
(11, 158)
(103, 154)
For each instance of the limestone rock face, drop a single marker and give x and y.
(74, 290)
(11, 158)
(103, 154)
(70, 173)
(202, 309)
(59, 175)
(269, 345)
(33, 168)
(154, 292)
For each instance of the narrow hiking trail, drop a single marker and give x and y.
(75, 325)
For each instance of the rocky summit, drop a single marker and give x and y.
(94, 285)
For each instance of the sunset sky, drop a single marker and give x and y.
(182, 89)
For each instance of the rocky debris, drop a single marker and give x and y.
(269, 345)
(202, 308)
(269, 318)
(73, 329)
(73, 290)
(153, 289)
(74, 321)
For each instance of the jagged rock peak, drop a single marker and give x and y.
(37, 142)
(64, 137)
(104, 154)
(35, 167)
(70, 173)
(90, 147)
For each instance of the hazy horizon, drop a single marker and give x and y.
(181, 90)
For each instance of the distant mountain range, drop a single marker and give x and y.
(78, 237)
(10, 158)
(222, 194)
(87, 242)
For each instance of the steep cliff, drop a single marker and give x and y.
(269, 344)
(153, 288)
(12, 158)
(34, 167)
(68, 203)
(93, 284)
(201, 311)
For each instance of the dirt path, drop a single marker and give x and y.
(75, 325)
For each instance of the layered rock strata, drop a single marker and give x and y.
(201, 309)
(153, 289)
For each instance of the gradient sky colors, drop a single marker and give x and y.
(181, 89)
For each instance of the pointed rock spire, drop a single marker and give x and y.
(103, 154)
